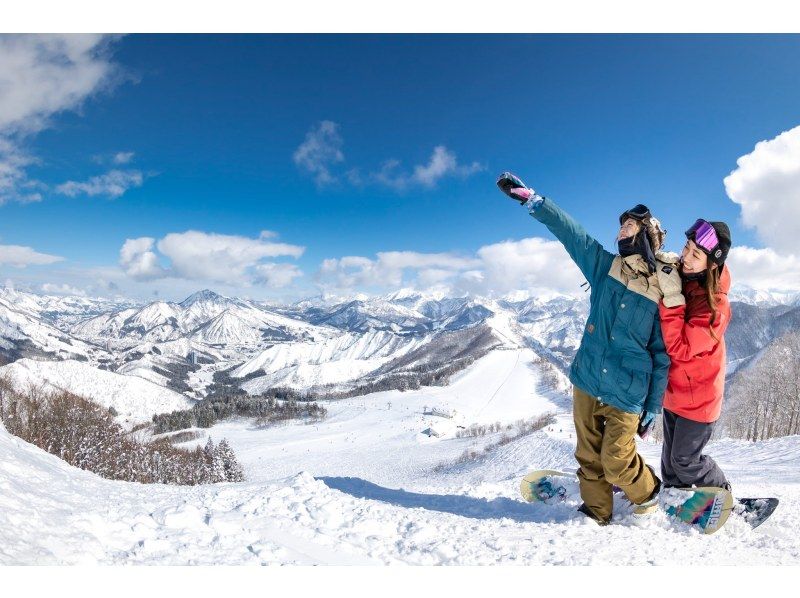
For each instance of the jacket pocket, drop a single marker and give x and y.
(642, 322)
(633, 383)
(689, 388)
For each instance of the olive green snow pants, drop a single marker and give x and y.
(607, 455)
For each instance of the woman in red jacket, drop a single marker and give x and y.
(694, 337)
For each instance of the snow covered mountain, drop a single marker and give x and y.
(743, 294)
(754, 327)
(209, 341)
(24, 332)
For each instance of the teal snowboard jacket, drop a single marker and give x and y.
(622, 359)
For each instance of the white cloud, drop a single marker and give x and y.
(443, 163)
(764, 269)
(433, 277)
(277, 276)
(528, 263)
(41, 76)
(495, 269)
(766, 184)
(139, 261)
(13, 179)
(352, 273)
(195, 255)
(61, 289)
(122, 157)
(20, 257)
(113, 184)
(321, 149)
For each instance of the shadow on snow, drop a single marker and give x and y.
(456, 504)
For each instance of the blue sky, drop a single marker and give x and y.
(207, 132)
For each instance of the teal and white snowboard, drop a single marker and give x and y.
(705, 508)
(549, 486)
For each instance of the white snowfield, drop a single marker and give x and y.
(361, 488)
(134, 399)
(339, 359)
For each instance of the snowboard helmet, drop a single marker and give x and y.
(655, 233)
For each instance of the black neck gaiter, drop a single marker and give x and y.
(638, 244)
(698, 276)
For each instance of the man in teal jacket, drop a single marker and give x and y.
(620, 370)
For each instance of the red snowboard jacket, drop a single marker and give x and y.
(696, 379)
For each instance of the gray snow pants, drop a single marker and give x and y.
(682, 461)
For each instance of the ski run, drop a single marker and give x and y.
(379, 482)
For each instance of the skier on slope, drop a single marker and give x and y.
(620, 370)
(693, 329)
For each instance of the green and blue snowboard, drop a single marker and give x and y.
(705, 508)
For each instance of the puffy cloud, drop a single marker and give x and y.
(195, 255)
(388, 269)
(41, 76)
(277, 276)
(528, 263)
(113, 184)
(321, 149)
(20, 257)
(766, 184)
(494, 269)
(139, 261)
(764, 269)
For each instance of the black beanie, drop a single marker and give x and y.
(724, 236)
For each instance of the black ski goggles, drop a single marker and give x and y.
(639, 212)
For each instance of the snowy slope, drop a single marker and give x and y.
(342, 358)
(23, 331)
(135, 399)
(359, 488)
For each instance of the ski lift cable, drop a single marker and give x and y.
(501, 385)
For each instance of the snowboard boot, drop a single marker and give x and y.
(651, 504)
(588, 512)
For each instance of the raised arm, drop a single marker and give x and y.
(593, 261)
(588, 254)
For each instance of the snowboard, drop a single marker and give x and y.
(755, 511)
(707, 508)
(548, 486)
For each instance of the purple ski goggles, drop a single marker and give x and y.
(704, 236)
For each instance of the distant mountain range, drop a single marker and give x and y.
(209, 343)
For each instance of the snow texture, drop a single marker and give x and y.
(361, 488)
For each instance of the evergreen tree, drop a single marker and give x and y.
(230, 465)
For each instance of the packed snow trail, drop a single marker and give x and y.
(367, 493)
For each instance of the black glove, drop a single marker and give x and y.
(645, 424)
(513, 186)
